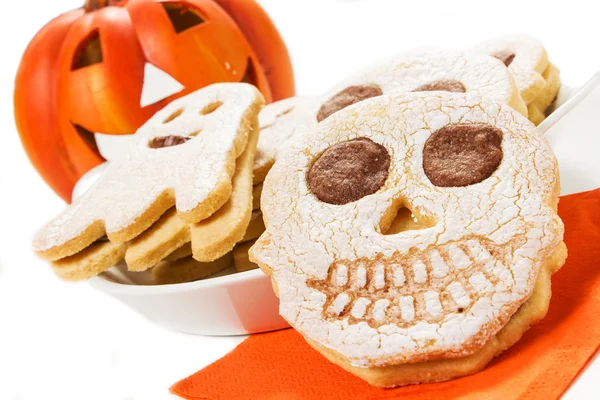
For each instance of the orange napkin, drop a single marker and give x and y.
(542, 365)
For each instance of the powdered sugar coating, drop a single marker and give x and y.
(529, 62)
(480, 260)
(481, 75)
(133, 183)
(279, 123)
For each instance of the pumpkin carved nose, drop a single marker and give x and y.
(158, 85)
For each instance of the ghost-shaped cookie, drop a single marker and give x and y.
(183, 157)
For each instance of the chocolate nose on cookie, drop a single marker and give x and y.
(462, 155)
(349, 171)
(347, 97)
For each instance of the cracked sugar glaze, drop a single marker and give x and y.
(437, 292)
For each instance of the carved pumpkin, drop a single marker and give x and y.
(92, 72)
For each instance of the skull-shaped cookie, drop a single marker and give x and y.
(184, 156)
(481, 181)
(427, 71)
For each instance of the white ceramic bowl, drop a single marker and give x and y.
(236, 304)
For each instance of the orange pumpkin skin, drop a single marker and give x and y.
(63, 95)
(267, 43)
(36, 110)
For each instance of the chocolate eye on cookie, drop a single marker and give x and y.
(349, 171)
(417, 71)
(347, 97)
(462, 155)
(442, 86)
(438, 300)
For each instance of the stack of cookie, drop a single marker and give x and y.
(184, 188)
(527, 82)
(279, 123)
(427, 71)
(407, 218)
(538, 80)
(409, 236)
(466, 268)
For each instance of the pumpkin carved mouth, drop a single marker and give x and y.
(106, 145)
(158, 85)
(112, 146)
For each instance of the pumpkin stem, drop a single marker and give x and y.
(93, 5)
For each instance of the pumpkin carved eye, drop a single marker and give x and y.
(89, 52)
(183, 17)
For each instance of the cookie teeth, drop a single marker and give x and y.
(407, 308)
(438, 265)
(360, 307)
(481, 283)
(459, 258)
(341, 276)
(424, 286)
(379, 309)
(361, 277)
(432, 303)
(399, 277)
(459, 294)
(477, 251)
(420, 271)
(379, 278)
(504, 275)
(339, 304)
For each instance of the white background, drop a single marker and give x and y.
(65, 341)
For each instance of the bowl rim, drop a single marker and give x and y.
(575, 97)
(106, 285)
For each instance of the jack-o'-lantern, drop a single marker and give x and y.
(103, 70)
